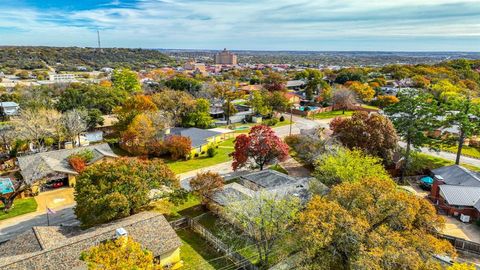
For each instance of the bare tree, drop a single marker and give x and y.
(74, 122)
(265, 219)
(343, 99)
(33, 125)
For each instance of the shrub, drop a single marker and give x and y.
(292, 140)
(178, 146)
(77, 163)
(211, 151)
(271, 122)
(282, 118)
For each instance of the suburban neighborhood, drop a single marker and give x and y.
(214, 163)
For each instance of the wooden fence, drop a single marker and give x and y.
(240, 261)
(462, 244)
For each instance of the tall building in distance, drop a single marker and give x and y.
(225, 58)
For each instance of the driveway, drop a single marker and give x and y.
(468, 231)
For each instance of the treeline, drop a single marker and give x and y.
(69, 58)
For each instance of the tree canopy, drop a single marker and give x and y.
(107, 191)
(371, 224)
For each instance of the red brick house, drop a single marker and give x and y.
(456, 191)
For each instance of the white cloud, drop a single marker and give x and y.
(247, 23)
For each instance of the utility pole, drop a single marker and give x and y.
(291, 120)
(99, 43)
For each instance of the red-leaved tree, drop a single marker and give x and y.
(261, 146)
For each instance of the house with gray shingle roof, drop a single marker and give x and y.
(60, 247)
(267, 181)
(201, 138)
(42, 169)
(456, 191)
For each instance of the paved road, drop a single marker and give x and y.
(447, 155)
(8, 229)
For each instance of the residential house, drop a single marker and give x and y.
(456, 191)
(52, 169)
(201, 138)
(268, 181)
(292, 97)
(296, 84)
(60, 247)
(9, 108)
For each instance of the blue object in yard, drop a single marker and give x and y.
(310, 108)
(6, 186)
(427, 180)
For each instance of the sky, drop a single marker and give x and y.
(318, 25)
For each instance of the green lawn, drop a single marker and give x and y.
(466, 150)
(182, 166)
(20, 207)
(332, 114)
(278, 168)
(370, 107)
(425, 161)
(279, 124)
(197, 254)
(190, 208)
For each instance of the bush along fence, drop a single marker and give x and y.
(462, 244)
(240, 261)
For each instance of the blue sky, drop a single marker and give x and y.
(400, 25)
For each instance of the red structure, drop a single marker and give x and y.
(456, 191)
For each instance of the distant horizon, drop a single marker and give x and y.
(243, 50)
(259, 25)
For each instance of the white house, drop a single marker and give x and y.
(10, 108)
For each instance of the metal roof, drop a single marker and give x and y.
(460, 195)
(458, 175)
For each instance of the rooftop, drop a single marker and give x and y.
(269, 179)
(40, 165)
(59, 247)
(460, 195)
(198, 136)
(458, 175)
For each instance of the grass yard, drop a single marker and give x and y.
(197, 254)
(190, 208)
(248, 250)
(332, 114)
(249, 125)
(278, 168)
(432, 162)
(182, 166)
(466, 150)
(20, 207)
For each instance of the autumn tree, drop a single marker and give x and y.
(226, 93)
(261, 146)
(372, 133)
(413, 117)
(118, 254)
(205, 184)
(274, 81)
(363, 90)
(259, 103)
(343, 99)
(178, 146)
(348, 166)
(385, 100)
(371, 224)
(107, 191)
(461, 266)
(124, 79)
(132, 107)
(265, 219)
(178, 103)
